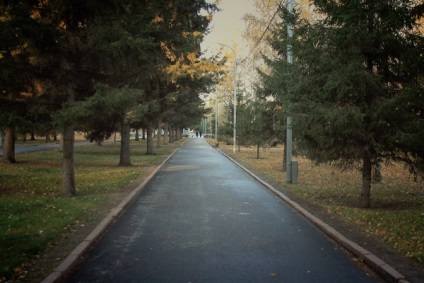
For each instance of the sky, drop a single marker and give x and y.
(227, 27)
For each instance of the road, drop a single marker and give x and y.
(203, 219)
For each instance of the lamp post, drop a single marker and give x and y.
(234, 98)
(289, 142)
(216, 117)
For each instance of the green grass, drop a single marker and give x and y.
(33, 214)
(397, 214)
(29, 225)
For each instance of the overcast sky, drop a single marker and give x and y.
(227, 27)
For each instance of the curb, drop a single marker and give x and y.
(378, 265)
(73, 258)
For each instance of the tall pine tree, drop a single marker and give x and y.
(355, 88)
(23, 38)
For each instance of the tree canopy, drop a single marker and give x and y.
(355, 88)
(95, 64)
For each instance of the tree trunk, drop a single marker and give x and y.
(143, 133)
(68, 177)
(9, 145)
(125, 156)
(285, 152)
(179, 133)
(149, 131)
(136, 135)
(366, 181)
(165, 133)
(158, 138)
(171, 134)
(61, 143)
(258, 145)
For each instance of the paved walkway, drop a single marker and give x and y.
(203, 219)
(22, 148)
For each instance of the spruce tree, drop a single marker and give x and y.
(126, 46)
(71, 80)
(355, 89)
(23, 37)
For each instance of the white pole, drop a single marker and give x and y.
(234, 98)
(289, 141)
(216, 117)
(289, 33)
(235, 104)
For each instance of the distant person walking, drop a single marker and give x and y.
(197, 134)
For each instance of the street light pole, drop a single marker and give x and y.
(216, 117)
(289, 142)
(234, 98)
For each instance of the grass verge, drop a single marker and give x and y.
(396, 218)
(38, 227)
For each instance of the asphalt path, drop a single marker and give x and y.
(203, 219)
(33, 147)
(40, 147)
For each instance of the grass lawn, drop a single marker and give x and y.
(397, 214)
(38, 227)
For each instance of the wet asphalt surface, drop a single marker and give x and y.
(203, 219)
